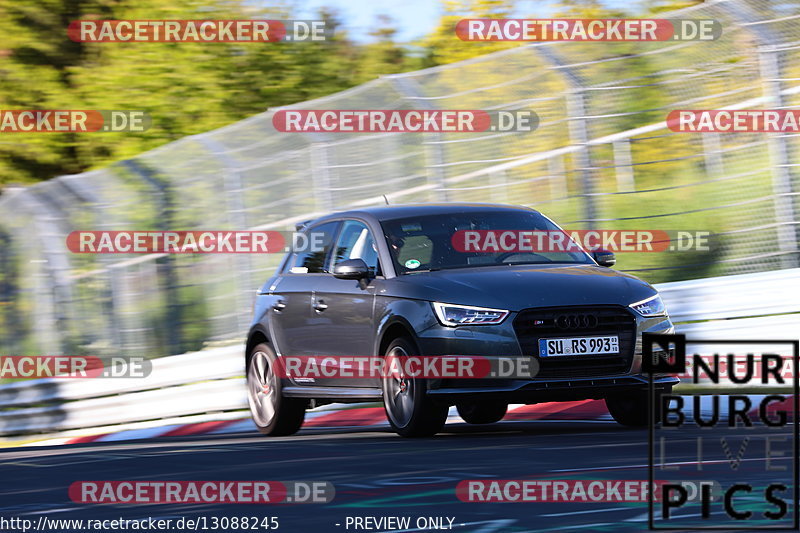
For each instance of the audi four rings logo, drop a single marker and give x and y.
(576, 321)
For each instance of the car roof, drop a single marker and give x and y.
(391, 212)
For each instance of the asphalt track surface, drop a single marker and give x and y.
(376, 473)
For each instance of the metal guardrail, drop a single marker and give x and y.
(747, 306)
(727, 297)
(181, 385)
(760, 306)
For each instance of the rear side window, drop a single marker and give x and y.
(312, 259)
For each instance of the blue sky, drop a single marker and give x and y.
(413, 18)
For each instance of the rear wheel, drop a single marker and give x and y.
(410, 411)
(272, 413)
(631, 408)
(482, 413)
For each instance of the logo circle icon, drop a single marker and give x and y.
(576, 321)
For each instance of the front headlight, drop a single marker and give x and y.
(463, 315)
(653, 306)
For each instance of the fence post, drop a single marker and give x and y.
(785, 216)
(89, 200)
(712, 150)
(623, 166)
(12, 323)
(237, 217)
(771, 71)
(434, 153)
(558, 179)
(166, 206)
(499, 186)
(56, 265)
(320, 174)
(578, 130)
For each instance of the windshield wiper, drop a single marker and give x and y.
(542, 263)
(434, 269)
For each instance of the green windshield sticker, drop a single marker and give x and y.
(412, 263)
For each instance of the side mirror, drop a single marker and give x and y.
(351, 269)
(604, 257)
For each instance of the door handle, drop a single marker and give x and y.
(279, 306)
(320, 306)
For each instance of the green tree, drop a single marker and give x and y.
(384, 55)
(443, 46)
(187, 88)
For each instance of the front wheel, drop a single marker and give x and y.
(630, 408)
(410, 411)
(482, 413)
(273, 414)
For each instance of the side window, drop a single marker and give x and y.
(356, 242)
(311, 259)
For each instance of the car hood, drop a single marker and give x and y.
(521, 286)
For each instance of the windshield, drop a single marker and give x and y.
(435, 242)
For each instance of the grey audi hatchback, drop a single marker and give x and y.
(393, 281)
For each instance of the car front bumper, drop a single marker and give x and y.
(501, 340)
(536, 391)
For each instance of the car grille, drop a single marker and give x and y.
(530, 325)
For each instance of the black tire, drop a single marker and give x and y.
(482, 413)
(631, 408)
(410, 411)
(272, 414)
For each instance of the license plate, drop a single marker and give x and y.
(579, 346)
